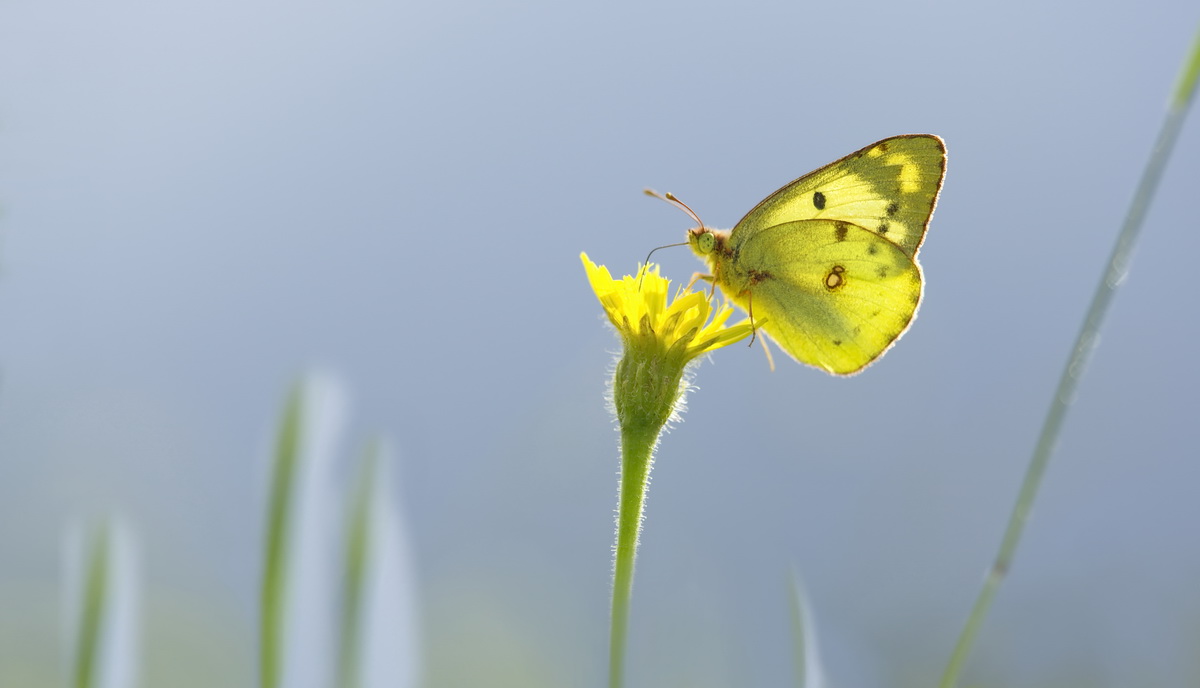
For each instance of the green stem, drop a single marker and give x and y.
(1068, 383)
(637, 448)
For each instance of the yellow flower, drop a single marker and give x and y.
(660, 340)
(638, 307)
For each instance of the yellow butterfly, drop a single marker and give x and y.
(828, 263)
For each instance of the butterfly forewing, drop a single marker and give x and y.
(889, 188)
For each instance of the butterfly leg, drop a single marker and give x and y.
(754, 331)
(696, 277)
(767, 351)
(750, 312)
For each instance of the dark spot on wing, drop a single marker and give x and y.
(840, 229)
(881, 271)
(893, 208)
(818, 200)
(834, 279)
(757, 276)
(836, 342)
(884, 227)
(872, 249)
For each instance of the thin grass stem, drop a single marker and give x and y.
(1114, 274)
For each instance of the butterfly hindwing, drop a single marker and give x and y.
(831, 294)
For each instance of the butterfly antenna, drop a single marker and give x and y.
(646, 263)
(670, 198)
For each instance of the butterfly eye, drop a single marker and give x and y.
(705, 242)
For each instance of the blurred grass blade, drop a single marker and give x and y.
(101, 599)
(296, 592)
(95, 581)
(1185, 88)
(1085, 343)
(378, 641)
(274, 580)
(354, 566)
(804, 647)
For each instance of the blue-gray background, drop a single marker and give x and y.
(201, 200)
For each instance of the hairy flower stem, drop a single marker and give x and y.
(637, 445)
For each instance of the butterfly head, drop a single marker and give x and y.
(702, 240)
(710, 244)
